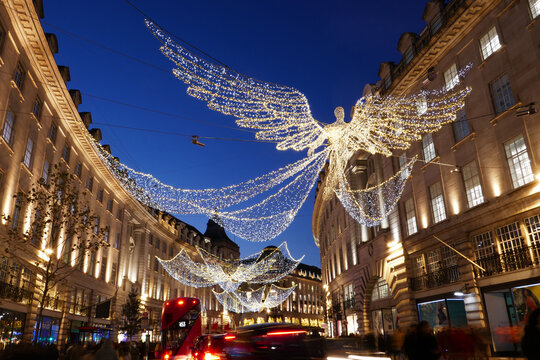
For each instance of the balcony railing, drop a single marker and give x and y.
(440, 277)
(15, 293)
(509, 260)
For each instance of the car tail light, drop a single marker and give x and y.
(230, 337)
(286, 332)
(166, 357)
(180, 302)
(194, 302)
(210, 356)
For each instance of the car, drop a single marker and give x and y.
(280, 341)
(209, 347)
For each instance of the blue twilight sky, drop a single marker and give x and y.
(327, 49)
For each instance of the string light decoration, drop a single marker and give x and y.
(281, 114)
(254, 301)
(264, 267)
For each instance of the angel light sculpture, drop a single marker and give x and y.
(282, 115)
(265, 267)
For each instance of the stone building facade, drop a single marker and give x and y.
(477, 187)
(305, 305)
(40, 125)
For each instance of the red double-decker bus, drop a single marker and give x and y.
(180, 327)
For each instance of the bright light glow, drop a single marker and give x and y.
(360, 357)
(286, 332)
(230, 337)
(210, 356)
(459, 293)
(48, 251)
(455, 207)
(180, 302)
(496, 188)
(424, 221)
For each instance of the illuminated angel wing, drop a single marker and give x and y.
(382, 124)
(278, 113)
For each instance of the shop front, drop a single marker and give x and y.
(507, 308)
(47, 331)
(443, 313)
(11, 326)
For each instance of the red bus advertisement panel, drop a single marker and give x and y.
(180, 327)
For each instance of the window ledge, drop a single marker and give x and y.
(27, 169)
(50, 142)
(505, 112)
(14, 86)
(471, 137)
(483, 63)
(435, 160)
(532, 24)
(36, 121)
(7, 145)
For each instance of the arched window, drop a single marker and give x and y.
(381, 290)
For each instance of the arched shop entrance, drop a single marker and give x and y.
(382, 309)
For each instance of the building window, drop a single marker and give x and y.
(106, 237)
(435, 24)
(117, 241)
(156, 264)
(36, 108)
(451, 77)
(119, 214)
(428, 147)
(433, 261)
(501, 92)
(113, 273)
(100, 195)
(7, 132)
(411, 217)
(66, 152)
(96, 225)
(380, 290)
(16, 215)
(110, 205)
(421, 105)
(103, 268)
(53, 130)
(387, 82)
(518, 161)
(402, 164)
(409, 55)
(489, 43)
(484, 246)
(510, 237)
(533, 229)
(151, 239)
(78, 169)
(90, 183)
(18, 75)
(437, 202)
(28, 153)
(461, 126)
(164, 247)
(473, 188)
(535, 8)
(157, 243)
(45, 173)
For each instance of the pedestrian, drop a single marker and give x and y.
(428, 348)
(106, 351)
(531, 340)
